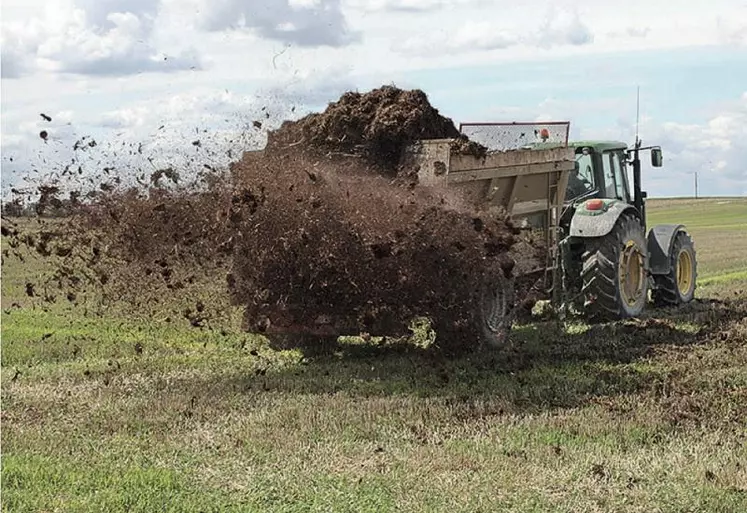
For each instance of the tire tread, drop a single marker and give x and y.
(599, 271)
(665, 292)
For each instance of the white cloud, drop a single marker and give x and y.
(563, 28)
(733, 28)
(630, 32)
(209, 107)
(715, 148)
(90, 38)
(472, 36)
(411, 6)
(303, 23)
(195, 110)
(481, 36)
(557, 29)
(128, 117)
(12, 59)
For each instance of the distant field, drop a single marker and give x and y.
(116, 414)
(718, 227)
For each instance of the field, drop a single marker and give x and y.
(119, 414)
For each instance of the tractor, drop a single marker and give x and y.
(604, 262)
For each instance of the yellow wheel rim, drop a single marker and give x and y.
(684, 272)
(631, 273)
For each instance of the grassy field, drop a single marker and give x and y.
(112, 414)
(719, 228)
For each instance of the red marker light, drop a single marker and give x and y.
(544, 134)
(594, 204)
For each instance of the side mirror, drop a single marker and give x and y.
(657, 159)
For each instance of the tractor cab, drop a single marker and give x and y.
(600, 171)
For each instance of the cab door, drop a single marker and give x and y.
(615, 178)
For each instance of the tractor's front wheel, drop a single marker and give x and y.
(678, 285)
(615, 282)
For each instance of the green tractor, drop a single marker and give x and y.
(609, 263)
(604, 262)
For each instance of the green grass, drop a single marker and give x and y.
(109, 413)
(718, 227)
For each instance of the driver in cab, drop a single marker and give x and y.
(577, 184)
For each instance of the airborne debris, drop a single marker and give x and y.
(334, 242)
(325, 229)
(84, 143)
(169, 172)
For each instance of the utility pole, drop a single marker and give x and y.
(696, 185)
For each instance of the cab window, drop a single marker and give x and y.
(581, 178)
(621, 184)
(614, 176)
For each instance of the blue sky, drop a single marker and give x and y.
(120, 69)
(680, 85)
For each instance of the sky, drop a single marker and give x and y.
(146, 79)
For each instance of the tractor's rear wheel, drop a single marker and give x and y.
(615, 282)
(678, 285)
(496, 304)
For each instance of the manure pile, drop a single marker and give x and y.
(329, 230)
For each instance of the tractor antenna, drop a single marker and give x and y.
(637, 114)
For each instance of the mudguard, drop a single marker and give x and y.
(660, 239)
(597, 223)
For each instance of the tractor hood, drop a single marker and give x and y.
(595, 207)
(596, 217)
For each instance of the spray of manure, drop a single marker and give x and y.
(324, 231)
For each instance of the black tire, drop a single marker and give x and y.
(605, 298)
(496, 308)
(668, 290)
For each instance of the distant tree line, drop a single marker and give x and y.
(35, 209)
(48, 205)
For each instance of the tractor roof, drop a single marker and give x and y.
(597, 145)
